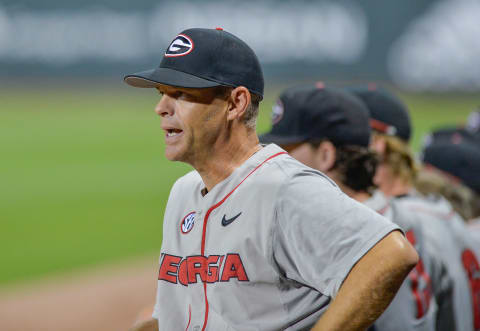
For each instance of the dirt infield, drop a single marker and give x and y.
(107, 298)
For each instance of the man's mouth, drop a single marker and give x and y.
(173, 132)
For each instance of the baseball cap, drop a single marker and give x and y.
(309, 113)
(388, 114)
(201, 58)
(453, 135)
(461, 160)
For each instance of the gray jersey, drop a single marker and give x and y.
(447, 234)
(266, 249)
(474, 229)
(470, 259)
(414, 307)
(472, 263)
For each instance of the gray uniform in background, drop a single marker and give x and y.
(448, 235)
(266, 249)
(474, 229)
(414, 307)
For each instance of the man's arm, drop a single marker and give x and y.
(370, 286)
(148, 325)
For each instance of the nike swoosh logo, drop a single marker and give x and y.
(226, 221)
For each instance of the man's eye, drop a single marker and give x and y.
(177, 94)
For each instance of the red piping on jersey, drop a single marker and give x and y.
(418, 300)
(205, 220)
(189, 316)
(206, 306)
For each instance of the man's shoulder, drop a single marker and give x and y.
(295, 183)
(189, 181)
(379, 202)
(191, 177)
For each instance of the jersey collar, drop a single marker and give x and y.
(243, 170)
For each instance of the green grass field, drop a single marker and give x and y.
(83, 176)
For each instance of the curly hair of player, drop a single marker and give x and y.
(355, 166)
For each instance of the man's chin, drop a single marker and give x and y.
(173, 155)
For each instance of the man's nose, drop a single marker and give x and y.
(165, 106)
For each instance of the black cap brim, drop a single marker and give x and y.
(166, 76)
(268, 138)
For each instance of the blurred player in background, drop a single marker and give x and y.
(253, 239)
(445, 229)
(328, 129)
(451, 160)
(392, 130)
(452, 163)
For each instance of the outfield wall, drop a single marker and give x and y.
(417, 44)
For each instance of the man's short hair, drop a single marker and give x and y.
(251, 113)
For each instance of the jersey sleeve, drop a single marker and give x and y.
(320, 233)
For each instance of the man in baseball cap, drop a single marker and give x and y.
(203, 58)
(391, 126)
(253, 239)
(451, 160)
(329, 129)
(319, 126)
(396, 176)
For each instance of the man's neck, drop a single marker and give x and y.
(224, 158)
(360, 196)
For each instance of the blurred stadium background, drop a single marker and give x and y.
(82, 169)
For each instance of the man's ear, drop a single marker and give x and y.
(325, 156)
(378, 144)
(238, 102)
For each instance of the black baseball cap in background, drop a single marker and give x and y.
(389, 115)
(202, 58)
(453, 135)
(313, 113)
(459, 159)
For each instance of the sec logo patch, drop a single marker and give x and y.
(187, 223)
(180, 46)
